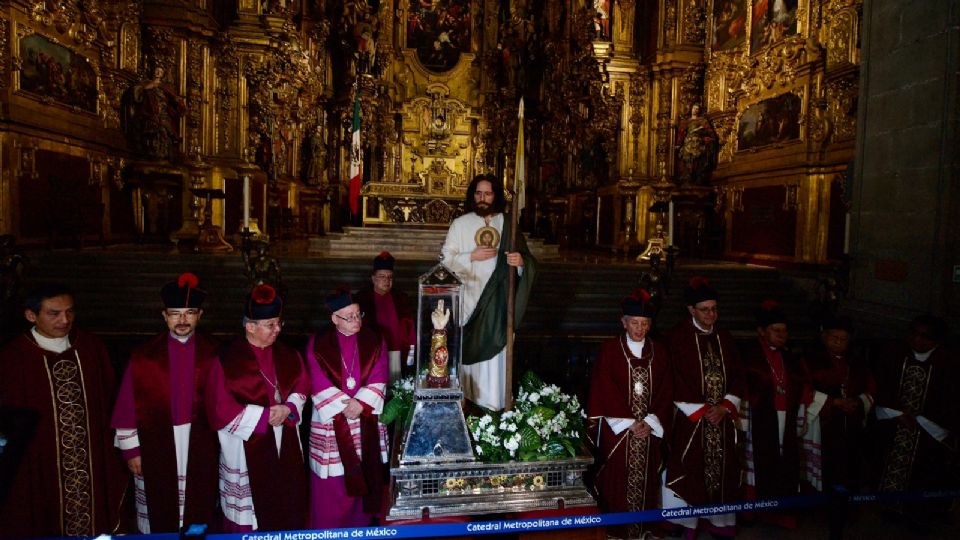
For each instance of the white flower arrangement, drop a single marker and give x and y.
(545, 424)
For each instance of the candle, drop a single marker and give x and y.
(846, 235)
(670, 226)
(246, 202)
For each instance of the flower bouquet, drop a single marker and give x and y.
(545, 424)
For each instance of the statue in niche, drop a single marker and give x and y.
(696, 149)
(151, 114)
(315, 157)
(366, 53)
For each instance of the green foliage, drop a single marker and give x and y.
(401, 401)
(545, 424)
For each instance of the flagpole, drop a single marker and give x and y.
(518, 187)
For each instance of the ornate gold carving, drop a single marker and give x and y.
(691, 88)
(791, 200)
(228, 70)
(841, 108)
(109, 99)
(724, 126)
(777, 66)
(130, 47)
(195, 52)
(160, 48)
(4, 42)
(663, 124)
(439, 211)
(636, 102)
(669, 22)
(28, 162)
(81, 21)
(841, 32)
(419, 209)
(693, 22)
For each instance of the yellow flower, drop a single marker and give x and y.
(451, 483)
(460, 482)
(538, 481)
(495, 481)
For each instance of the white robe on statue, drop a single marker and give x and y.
(483, 382)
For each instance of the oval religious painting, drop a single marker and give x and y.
(439, 30)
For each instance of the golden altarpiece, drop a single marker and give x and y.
(149, 120)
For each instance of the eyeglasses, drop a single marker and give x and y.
(352, 318)
(712, 309)
(275, 325)
(189, 313)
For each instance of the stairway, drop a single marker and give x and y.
(575, 301)
(117, 290)
(413, 242)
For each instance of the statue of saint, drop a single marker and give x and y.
(315, 155)
(151, 114)
(696, 149)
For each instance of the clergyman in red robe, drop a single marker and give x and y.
(68, 480)
(708, 386)
(161, 420)
(255, 400)
(630, 404)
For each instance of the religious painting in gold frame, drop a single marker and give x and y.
(51, 71)
(728, 25)
(771, 21)
(771, 121)
(439, 32)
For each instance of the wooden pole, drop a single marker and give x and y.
(511, 293)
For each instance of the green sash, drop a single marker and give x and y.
(485, 334)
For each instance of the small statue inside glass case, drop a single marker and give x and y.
(438, 334)
(438, 430)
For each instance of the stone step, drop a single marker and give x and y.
(117, 292)
(412, 243)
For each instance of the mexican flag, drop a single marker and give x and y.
(356, 159)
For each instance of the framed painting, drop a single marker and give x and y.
(770, 121)
(771, 21)
(52, 71)
(439, 30)
(728, 24)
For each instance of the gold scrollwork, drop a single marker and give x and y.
(791, 199)
(723, 124)
(841, 108)
(96, 171)
(28, 162)
(4, 40)
(693, 21)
